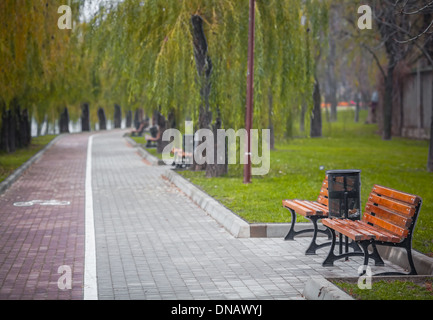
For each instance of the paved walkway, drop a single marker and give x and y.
(152, 242)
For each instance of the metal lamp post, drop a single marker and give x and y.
(250, 92)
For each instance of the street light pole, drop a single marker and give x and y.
(250, 92)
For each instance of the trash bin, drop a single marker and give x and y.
(344, 194)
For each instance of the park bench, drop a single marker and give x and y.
(389, 220)
(313, 211)
(141, 129)
(155, 135)
(182, 158)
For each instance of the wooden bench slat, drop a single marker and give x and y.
(297, 208)
(323, 200)
(336, 225)
(325, 183)
(318, 206)
(381, 234)
(324, 192)
(398, 195)
(385, 225)
(356, 228)
(394, 205)
(310, 206)
(384, 214)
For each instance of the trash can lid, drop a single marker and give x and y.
(343, 172)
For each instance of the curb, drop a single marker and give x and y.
(238, 227)
(7, 183)
(398, 256)
(318, 288)
(143, 153)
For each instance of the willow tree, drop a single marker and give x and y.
(33, 63)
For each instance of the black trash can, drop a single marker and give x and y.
(344, 194)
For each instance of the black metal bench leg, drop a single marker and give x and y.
(314, 245)
(412, 272)
(411, 264)
(329, 260)
(376, 256)
(291, 235)
(364, 246)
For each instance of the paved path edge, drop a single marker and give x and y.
(9, 181)
(233, 223)
(319, 288)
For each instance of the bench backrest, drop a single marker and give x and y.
(392, 210)
(323, 196)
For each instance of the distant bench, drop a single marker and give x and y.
(155, 136)
(183, 158)
(389, 220)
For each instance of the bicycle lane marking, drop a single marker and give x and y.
(90, 276)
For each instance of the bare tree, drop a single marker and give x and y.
(421, 14)
(392, 25)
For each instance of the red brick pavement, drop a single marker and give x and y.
(36, 240)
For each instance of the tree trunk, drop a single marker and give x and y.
(430, 153)
(171, 120)
(332, 83)
(270, 116)
(332, 56)
(202, 60)
(16, 114)
(387, 103)
(215, 169)
(204, 122)
(162, 126)
(64, 121)
(129, 119)
(12, 131)
(316, 117)
(137, 119)
(204, 70)
(358, 107)
(117, 116)
(25, 129)
(302, 117)
(102, 119)
(4, 142)
(85, 117)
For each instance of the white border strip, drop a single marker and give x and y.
(90, 277)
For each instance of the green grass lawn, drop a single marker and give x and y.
(390, 290)
(10, 162)
(296, 173)
(142, 142)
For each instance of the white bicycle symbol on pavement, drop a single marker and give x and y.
(42, 203)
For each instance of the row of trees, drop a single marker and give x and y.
(36, 67)
(186, 60)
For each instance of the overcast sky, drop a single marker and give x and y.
(92, 6)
